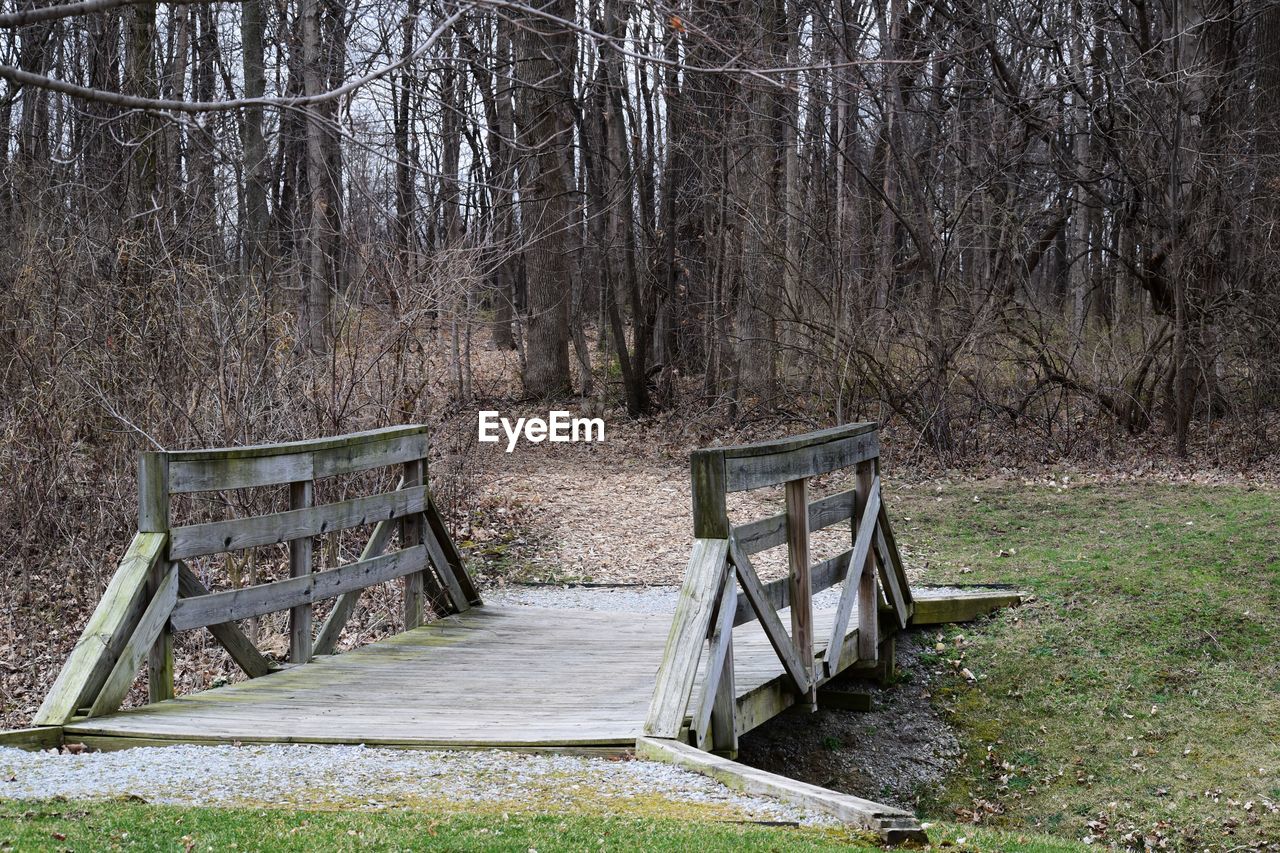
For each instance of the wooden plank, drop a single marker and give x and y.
(895, 558)
(935, 607)
(327, 639)
(228, 634)
(896, 590)
(301, 496)
(766, 533)
(717, 678)
(153, 492)
(264, 465)
(239, 533)
(799, 587)
(724, 726)
(893, 825)
(823, 575)
(435, 522)
(769, 620)
(754, 472)
(415, 604)
(308, 445)
(449, 581)
(622, 748)
(861, 551)
(237, 604)
(797, 442)
(868, 484)
(160, 655)
(33, 739)
(706, 472)
(150, 626)
(106, 633)
(674, 683)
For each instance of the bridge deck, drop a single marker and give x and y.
(515, 677)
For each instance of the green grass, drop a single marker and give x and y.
(124, 825)
(1139, 695)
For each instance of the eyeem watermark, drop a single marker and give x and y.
(559, 426)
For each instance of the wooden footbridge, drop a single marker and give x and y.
(736, 652)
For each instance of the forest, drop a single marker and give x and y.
(1034, 241)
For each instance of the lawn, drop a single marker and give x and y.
(1138, 696)
(123, 825)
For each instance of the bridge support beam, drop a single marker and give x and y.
(894, 826)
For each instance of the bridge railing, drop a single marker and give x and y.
(722, 588)
(155, 593)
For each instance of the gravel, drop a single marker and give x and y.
(352, 777)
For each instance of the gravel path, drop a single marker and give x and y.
(352, 777)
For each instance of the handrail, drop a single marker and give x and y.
(154, 592)
(710, 604)
(309, 445)
(185, 471)
(797, 442)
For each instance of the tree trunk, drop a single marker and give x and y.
(545, 62)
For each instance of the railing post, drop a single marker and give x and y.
(799, 583)
(301, 495)
(710, 518)
(153, 517)
(411, 535)
(868, 591)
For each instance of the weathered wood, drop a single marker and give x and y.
(892, 825)
(894, 584)
(754, 472)
(445, 580)
(710, 518)
(301, 496)
(895, 558)
(153, 492)
(153, 517)
(106, 633)
(327, 639)
(150, 626)
(717, 678)
(32, 739)
(435, 523)
(228, 634)
(769, 621)
(236, 534)
(823, 575)
(674, 683)
(410, 535)
(799, 587)
(243, 603)
(270, 464)
(802, 441)
(868, 485)
(949, 604)
(160, 654)
(765, 533)
(383, 693)
(852, 590)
